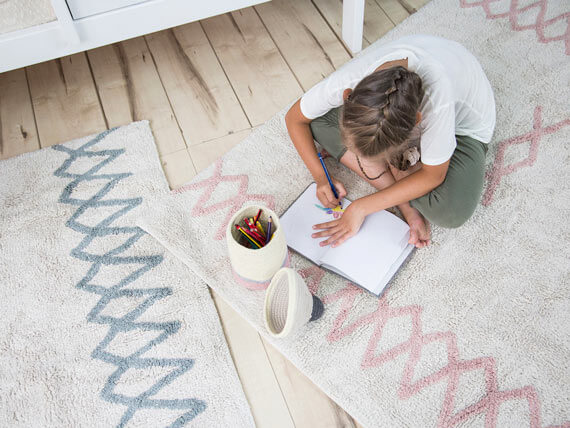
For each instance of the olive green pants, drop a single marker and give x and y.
(453, 201)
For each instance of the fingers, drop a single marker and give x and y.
(333, 239)
(326, 225)
(327, 232)
(342, 239)
(340, 190)
(332, 229)
(330, 199)
(327, 198)
(335, 232)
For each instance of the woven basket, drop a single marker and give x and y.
(288, 303)
(254, 268)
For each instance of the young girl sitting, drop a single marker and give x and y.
(412, 117)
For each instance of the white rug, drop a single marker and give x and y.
(100, 326)
(475, 331)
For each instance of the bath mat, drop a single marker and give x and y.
(475, 330)
(100, 325)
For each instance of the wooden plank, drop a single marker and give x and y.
(308, 405)
(307, 43)
(178, 168)
(131, 89)
(258, 73)
(413, 6)
(376, 23)
(18, 132)
(205, 103)
(206, 153)
(395, 11)
(261, 388)
(112, 81)
(65, 100)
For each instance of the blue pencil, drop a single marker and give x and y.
(329, 179)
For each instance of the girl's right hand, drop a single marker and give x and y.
(326, 195)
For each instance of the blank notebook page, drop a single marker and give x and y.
(366, 257)
(298, 221)
(369, 255)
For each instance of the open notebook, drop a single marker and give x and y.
(368, 259)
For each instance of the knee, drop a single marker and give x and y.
(450, 212)
(455, 215)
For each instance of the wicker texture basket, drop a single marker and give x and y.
(254, 268)
(288, 303)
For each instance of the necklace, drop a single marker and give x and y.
(366, 175)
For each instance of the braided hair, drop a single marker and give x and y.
(380, 113)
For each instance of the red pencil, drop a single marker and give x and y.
(257, 236)
(256, 218)
(248, 223)
(253, 241)
(253, 234)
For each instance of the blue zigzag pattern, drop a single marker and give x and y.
(127, 237)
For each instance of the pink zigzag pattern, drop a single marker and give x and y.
(540, 24)
(451, 373)
(499, 170)
(233, 203)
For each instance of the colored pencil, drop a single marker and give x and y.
(256, 219)
(256, 236)
(329, 179)
(253, 241)
(269, 224)
(248, 223)
(253, 238)
(260, 228)
(252, 227)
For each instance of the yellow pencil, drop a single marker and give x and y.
(258, 224)
(249, 238)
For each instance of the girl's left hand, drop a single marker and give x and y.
(340, 230)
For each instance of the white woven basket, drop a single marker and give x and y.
(254, 268)
(288, 303)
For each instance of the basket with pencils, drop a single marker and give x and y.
(256, 246)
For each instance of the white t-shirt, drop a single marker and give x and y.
(458, 97)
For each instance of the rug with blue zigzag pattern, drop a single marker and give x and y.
(98, 326)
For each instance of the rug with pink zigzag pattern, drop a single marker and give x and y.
(475, 330)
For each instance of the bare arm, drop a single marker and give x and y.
(410, 187)
(300, 133)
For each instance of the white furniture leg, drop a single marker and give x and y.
(352, 24)
(66, 21)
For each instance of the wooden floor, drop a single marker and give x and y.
(203, 86)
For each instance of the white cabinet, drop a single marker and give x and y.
(84, 8)
(102, 22)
